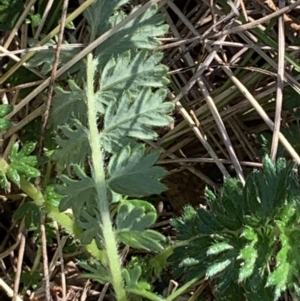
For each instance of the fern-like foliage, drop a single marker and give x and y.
(131, 74)
(249, 236)
(129, 97)
(135, 283)
(22, 163)
(68, 104)
(133, 166)
(125, 99)
(73, 145)
(96, 15)
(133, 219)
(134, 119)
(43, 60)
(124, 118)
(140, 33)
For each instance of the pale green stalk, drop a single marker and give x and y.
(99, 179)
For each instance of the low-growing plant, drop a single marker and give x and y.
(246, 240)
(248, 237)
(100, 157)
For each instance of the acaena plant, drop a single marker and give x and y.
(247, 240)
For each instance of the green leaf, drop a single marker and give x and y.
(136, 215)
(90, 223)
(140, 33)
(10, 11)
(76, 193)
(31, 279)
(97, 15)
(291, 99)
(234, 292)
(98, 272)
(13, 175)
(281, 276)
(5, 124)
(133, 219)
(31, 212)
(259, 225)
(68, 105)
(3, 180)
(218, 248)
(210, 224)
(21, 163)
(73, 145)
(51, 197)
(35, 20)
(249, 255)
(232, 200)
(136, 285)
(131, 74)
(267, 190)
(43, 60)
(250, 234)
(5, 109)
(134, 166)
(217, 267)
(228, 278)
(134, 118)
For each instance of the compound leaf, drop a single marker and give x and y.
(76, 193)
(73, 144)
(31, 212)
(67, 105)
(134, 118)
(133, 219)
(131, 74)
(21, 163)
(89, 221)
(44, 59)
(97, 15)
(97, 272)
(134, 166)
(139, 33)
(135, 284)
(31, 279)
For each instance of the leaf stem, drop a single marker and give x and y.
(182, 289)
(99, 178)
(60, 217)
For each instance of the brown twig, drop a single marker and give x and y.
(53, 73)
(19, 267)
(15, 245)
(60, 250)
(255, 23)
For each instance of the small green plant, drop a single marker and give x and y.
(248, 238)
(101, 117)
